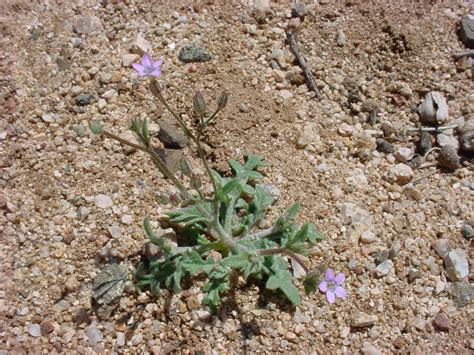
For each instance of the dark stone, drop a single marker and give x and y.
(298, 10)
(384, 146)
(62, 63)
(424, 144)
(380, 256)
(171, 158)
(467, 230)
(448, 158)
(108, 288)
(170, 136)
(413, 274)
(192, 53)
(441, 322)
(462, 293)
(84, 99)
(467, 31)
(415, 162)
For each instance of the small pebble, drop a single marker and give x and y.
(34, 330)
(103, 201)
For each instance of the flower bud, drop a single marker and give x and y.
(222, 100)
(199, 104)
(195, 182)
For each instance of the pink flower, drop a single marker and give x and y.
(331, 285)
(147, 67)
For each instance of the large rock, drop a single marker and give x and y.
(192, 53)
(170, 136)
(467, 31)
(456, 265)
(87, 24)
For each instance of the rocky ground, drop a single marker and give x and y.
(72, 202)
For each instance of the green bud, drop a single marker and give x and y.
(186, 167)
(195, 182)
(95, 127)
(199, 104)
(222, 100)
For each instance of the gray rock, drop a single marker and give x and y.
(171, 157)
(62, 63)
(368, 237)
(383, 269)
(192, 53)
(108, 288)
(94, 335)
(447, 139)
(462, 292)
(380, 256)
(271, 190)
(286, 94)
(456, 264)
(467, 230)
(467, 31)
(170, 136)
(413, 274)
(403, 154)
(394, 250)
(84, 99)
(401, 174)
(103, 201)
(140, 46)
(357, 219)
(384, 146)
(87, 24)
(129, 58)
(442, 247)
(369, 349)
(341, 39)
(34, 330)
(362, 320)
(298, 10)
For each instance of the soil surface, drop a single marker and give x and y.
(66, 63)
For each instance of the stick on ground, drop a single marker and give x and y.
(302, 63)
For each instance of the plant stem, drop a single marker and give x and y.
(262, 234)
(286, 252)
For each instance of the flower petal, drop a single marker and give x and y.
(339, 279)
(330, 296)
(329, 275)
(323, 286)
(158, 63)
(156, 72)
(139, 68)
(340, 292)
(146, 60)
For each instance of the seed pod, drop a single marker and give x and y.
(448, 158)
(222, 100)
(467, 136)
(433, 109)
(186, 166)
(195, 182)
(199, 104)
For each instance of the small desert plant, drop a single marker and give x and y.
(223, 225)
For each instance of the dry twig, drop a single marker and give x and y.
(302, 63)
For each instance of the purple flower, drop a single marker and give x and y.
(331, 285)
(147, 67)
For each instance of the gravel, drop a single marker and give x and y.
(63, 188)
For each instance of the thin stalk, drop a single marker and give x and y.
(259, 235)
(286, 252)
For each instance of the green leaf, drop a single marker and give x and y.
(237, 261)
(312, 235)
(191, 215)
(232, 188)
(282, 280)
(194, 264)
(95, 127)
(154, 239)
(236, 167)
(289, 214)
(145, 133)
(254, 161)
(186, 167)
